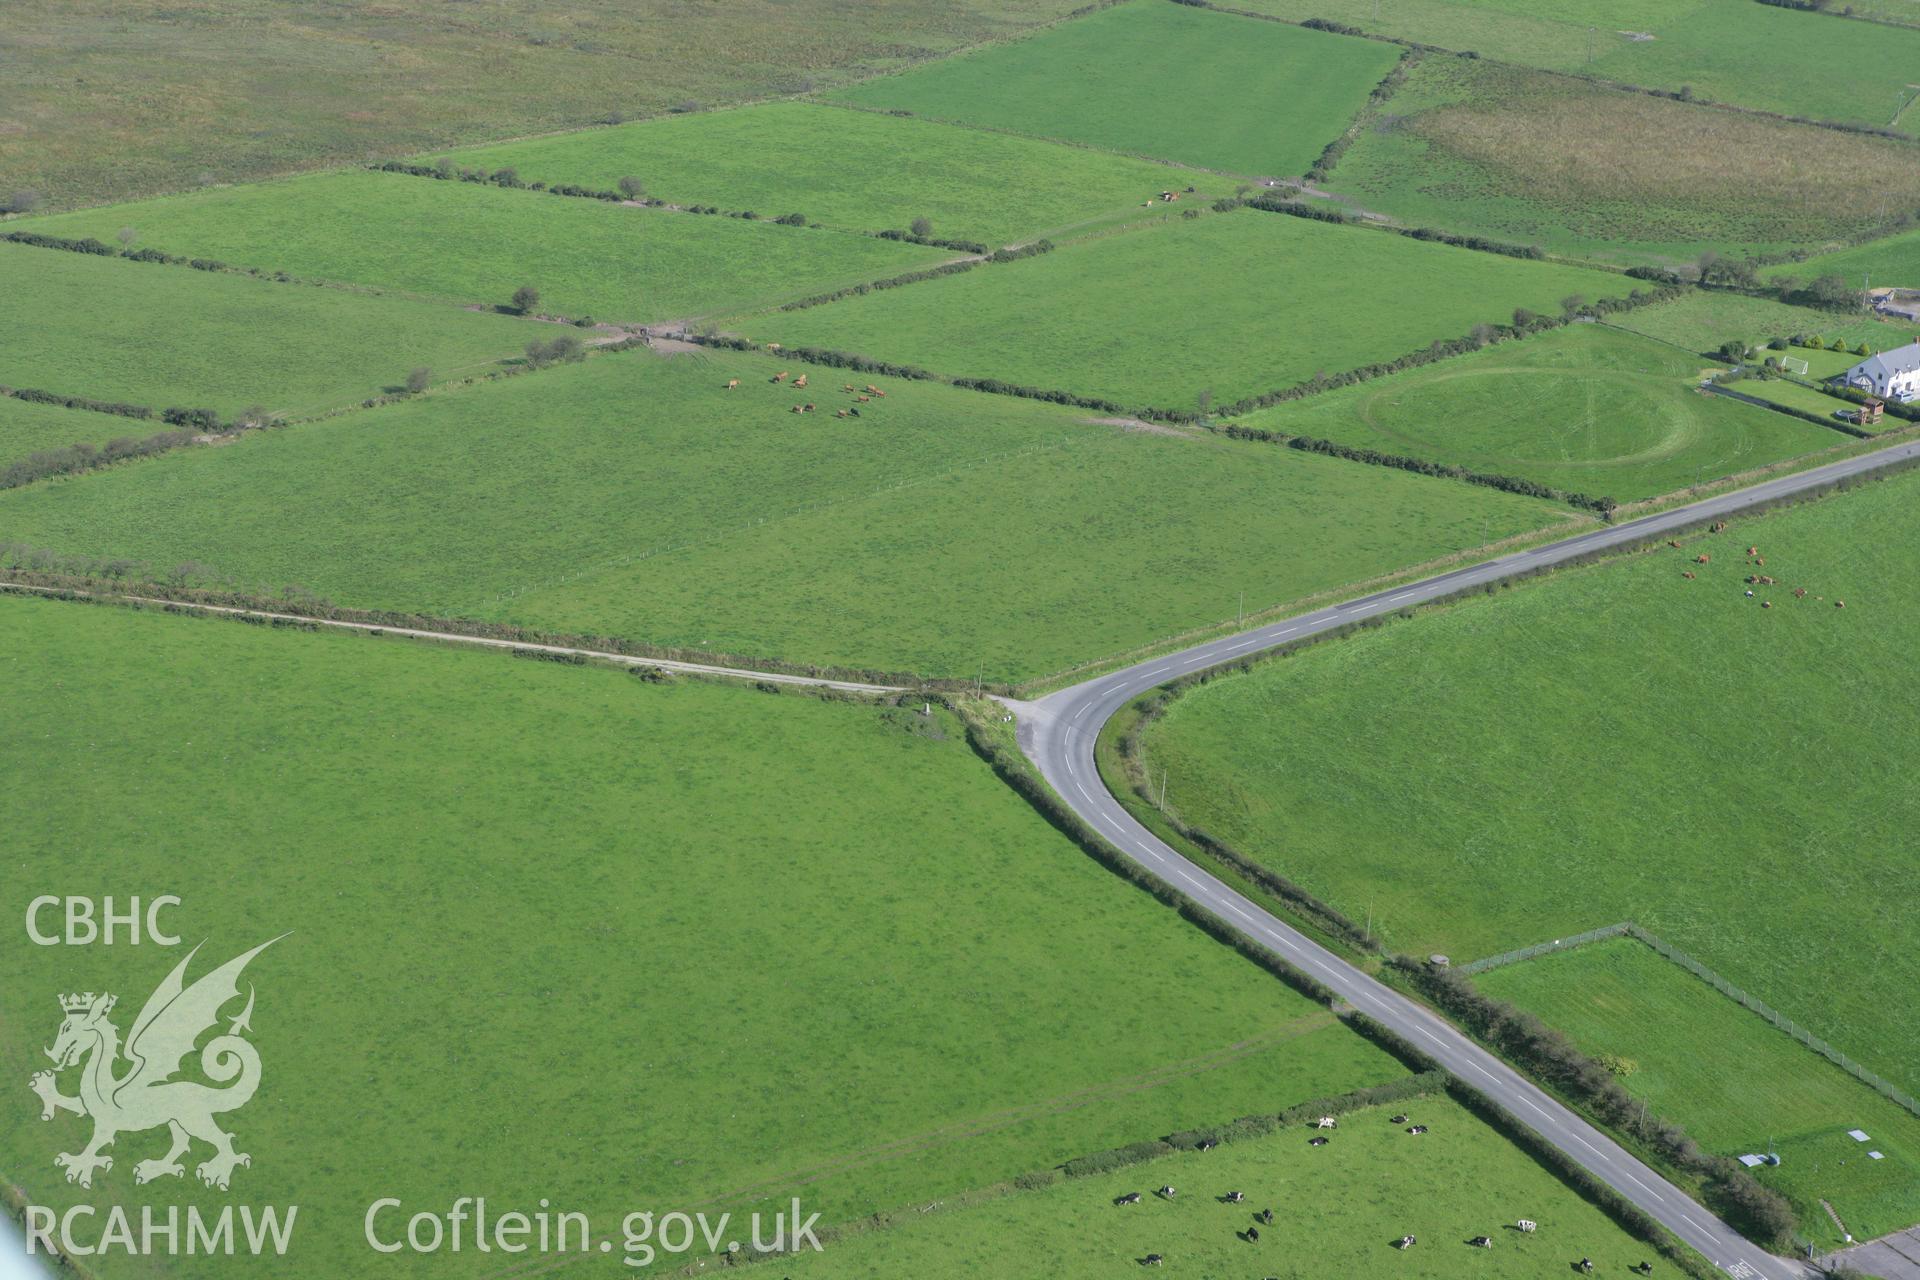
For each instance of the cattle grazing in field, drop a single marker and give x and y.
(732, 383)
(1404, 1242)
(1235, 1197)
(1703, 558)
(1252, 1235)
(800, 381)
(1688, 575)
(1316, 1142)
(1132, 1197)
(1167, 1192)
(1481, 1242)
(1265, 1216)
(1528, 1225)
(1152, 1260)
(780, 376)
(1416, 1129)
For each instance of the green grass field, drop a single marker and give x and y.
(1732, 778)
(463, 242)
(1795, 395)
(1803, 64)
(1893, 261)
(1701, 321)
(1238, 304)
(526, 957)
(1338, 1209)
(861, 170)
(1586, 409)
(1736, 1082)
(160, 336)
(944, 531)
(105, 103)
(1546, 159)
(26, 427)
(1161, 80)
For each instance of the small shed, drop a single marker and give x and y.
(1871, 411)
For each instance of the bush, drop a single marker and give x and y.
(198, 419)
(419, 379)
(631, 187)
(922, 227)
(525, 299)
(564, 349)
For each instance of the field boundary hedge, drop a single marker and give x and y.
(1330, 155)
(1031, 250)
(1543, 948)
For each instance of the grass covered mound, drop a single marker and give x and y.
(1149, 78)
(558, 932)
(1337, 1211)
(162, 336)
(1796, 63)
(1233, 304)
(1657, 1024)
(1614, 742)
(473, 244)
(863, 170)
(942, 531)
(1580, 168)
(1585, 409)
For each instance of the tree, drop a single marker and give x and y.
(562, 350)
(22, 201)
(922, 227)
(127, 236)
(525, 299)
(507, 177)
(631, 187)
(1733, 352)
(418, 379)
(444, 166)
(1572, 303)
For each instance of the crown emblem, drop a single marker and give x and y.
(80, 1002)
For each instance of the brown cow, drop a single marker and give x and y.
(1703, 558)
(800, 381)
(808, 409)
(732, 383)
(780, 376)
(1688, 575)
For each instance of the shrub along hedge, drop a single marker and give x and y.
(1421, 466)
(915, 277)
(73, 459)
(38, 396)
(1548, 1054)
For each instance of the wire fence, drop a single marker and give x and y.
(1885, 1088)
(1545, 948)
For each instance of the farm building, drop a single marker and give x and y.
(1892, 375)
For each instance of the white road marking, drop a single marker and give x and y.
(1402, 596)
(1243, 644)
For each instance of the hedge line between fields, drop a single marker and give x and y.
(1331, 154)
(1421, 466)
(186, 425)
(915, 277)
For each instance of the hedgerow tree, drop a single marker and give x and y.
(418, 379)
(922, 227)
(631, 187)
(525, 299)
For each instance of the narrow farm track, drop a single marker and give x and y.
(1058, 734)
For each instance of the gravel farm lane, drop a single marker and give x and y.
(1058, 732)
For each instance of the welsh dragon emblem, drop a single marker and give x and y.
(146, 1095)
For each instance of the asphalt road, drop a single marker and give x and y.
(1057, 733)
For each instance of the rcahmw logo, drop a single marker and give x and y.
(134, 1086)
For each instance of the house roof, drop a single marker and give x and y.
(1889, 363)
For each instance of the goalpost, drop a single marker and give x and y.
(1793, 365)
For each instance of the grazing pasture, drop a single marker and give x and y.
(1234, 304)
(26, 427)
(1893, 261)
(1618, 742)
(792, 1001)
(110, 329)
(1337, 1211)
(1702, 321)
(1155, 79)
(468, 243)
(942, 531)
(1736, 1082)
(861, 170)
(1799, 64)
(103, 103)
(1585, 409)
(1579, 168)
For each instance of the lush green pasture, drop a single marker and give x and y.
(1702, 321)
(475, 244)
(1546, 159)
(1804, 64)
(104, 102)
(560, 933)
(1235, 304)
(1620, 742)
(1734, 1080)
(1586, 409)
(27, 428)
(156, 335)
(1893, 261)
(1149, 78)
(1337, 1211)
(857, 169)
(1794, 395)
(943, 531)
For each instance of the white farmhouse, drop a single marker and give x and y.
(1891, 375)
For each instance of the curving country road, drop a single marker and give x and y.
(1057, 733)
